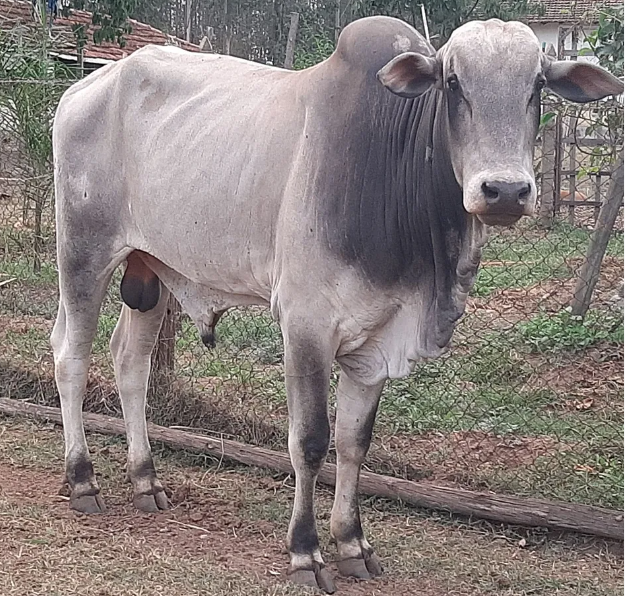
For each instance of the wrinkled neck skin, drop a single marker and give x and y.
(401, 217)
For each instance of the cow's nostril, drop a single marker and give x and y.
(506, 193)
(524, 193)
(490, 192)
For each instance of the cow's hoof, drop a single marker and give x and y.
(152, 503)
(354, 567)
(88, 504)
(374, 565)
(360, 568)
(318, 578)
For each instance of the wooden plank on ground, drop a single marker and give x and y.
(502, 508)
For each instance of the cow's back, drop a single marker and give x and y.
(193, 150)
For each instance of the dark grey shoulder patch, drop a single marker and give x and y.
(392, 205)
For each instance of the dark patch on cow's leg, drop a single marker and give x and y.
(140, 287)
(131, 345)
(84, 490)
(303, 538)
(148, 492)
(355, 416)
(308, 368)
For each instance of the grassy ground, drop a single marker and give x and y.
(224, 536)
(528, 400)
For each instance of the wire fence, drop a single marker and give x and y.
(528, 400)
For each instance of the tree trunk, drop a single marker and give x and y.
(292, 40)
(548, 163)
(188, 21)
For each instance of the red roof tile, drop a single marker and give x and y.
(571, 11)
(19, 12)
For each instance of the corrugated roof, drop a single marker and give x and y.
(570, 12)
(18, 12)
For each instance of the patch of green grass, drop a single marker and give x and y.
(488, 390)
(106, 324)
(248, 355)
(531, 255)
(22, 269)
(242, 334)
(253, 333)
(567, 475)
(562, 332)
(31, 344)
(485, 389)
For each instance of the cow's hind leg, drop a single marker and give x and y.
(131, 345)
(308, 369)
(71, 340)
(355, 415)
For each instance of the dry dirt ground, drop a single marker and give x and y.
(224, 536)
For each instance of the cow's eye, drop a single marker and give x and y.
(452, 83)
(540, 83)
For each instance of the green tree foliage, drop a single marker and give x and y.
(28, 104)
(27, 107)
(446, 15)
(607, 41)
(607, 44)
(258, 29)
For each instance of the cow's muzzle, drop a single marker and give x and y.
(506, 194)
(501, 202)
(505, 202)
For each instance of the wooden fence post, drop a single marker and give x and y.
(188, 21)
(163, 357)
(292, 40)
(590, 271)
(548, 163)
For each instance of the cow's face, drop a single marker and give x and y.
(491, 74)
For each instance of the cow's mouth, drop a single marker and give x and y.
(499, 219)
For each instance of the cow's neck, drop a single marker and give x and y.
(442, 240)
(394, 206)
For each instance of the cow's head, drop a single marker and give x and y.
(491, 74)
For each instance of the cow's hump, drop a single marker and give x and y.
(372, 42)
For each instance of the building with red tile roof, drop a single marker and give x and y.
(19, 13)
(571, 12)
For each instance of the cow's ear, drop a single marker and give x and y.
(409, 74)
(581, 81)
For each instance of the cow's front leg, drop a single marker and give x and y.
(308, 368)
(355, 415)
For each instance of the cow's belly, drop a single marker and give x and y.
(206, 204)
(203, 301)
(211, 256)
(217, 263)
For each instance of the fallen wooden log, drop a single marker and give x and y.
(502, 508)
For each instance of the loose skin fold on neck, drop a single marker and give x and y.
(393, 206)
